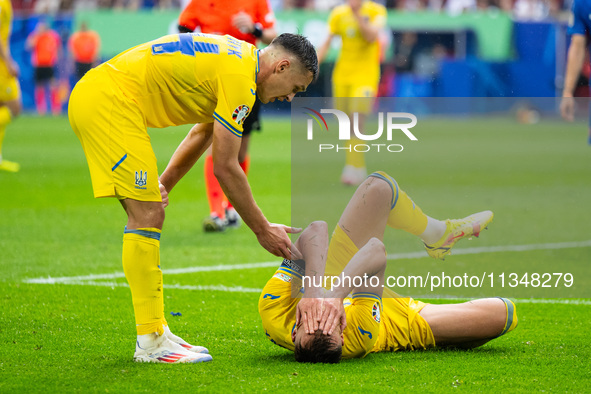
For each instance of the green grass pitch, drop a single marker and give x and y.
(77, 335)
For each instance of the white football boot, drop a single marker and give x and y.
(183, 343)
(154, 348)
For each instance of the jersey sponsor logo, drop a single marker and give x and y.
(240, 113)
(271, 296)
(363, 332)
(141, 179)
(283, 277)
(375, 312)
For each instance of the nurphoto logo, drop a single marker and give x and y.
(388, 124)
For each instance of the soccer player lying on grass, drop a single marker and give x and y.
(377, 319)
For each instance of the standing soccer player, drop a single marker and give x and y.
(10, 91)
(250, 21)
(175, 80)
(357, 69)
(579, 28)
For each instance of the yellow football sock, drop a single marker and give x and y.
(2, 133)
(404, 214)
(141, 264)
(5, 117)
(511, 320)
(353, 158)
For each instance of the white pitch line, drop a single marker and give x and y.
(497, 249)
(230, 289)
(174, 271)
(240, 289)
(395, 256)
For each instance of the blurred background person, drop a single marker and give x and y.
(45, 46)
(579, 29)
(84, 46)
(405, 52)
(356, 72)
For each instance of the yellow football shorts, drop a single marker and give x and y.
(10, 89)
(402, 327)
(351, 98)
(113, 133)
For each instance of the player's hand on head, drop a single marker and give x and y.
(333, 315)
(567, 109)
(308, 312)
(276, 241)
(163, 194)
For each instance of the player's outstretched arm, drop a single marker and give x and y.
(576, 57)
(273, 237)
(187, 153)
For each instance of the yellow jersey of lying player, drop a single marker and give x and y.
(278, 303)
(188, 78)
(358, 61)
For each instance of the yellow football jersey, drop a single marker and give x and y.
(5, 21)
(278, 303)
(189, 78)
(358, 61)
(9, 86)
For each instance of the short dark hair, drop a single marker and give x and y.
(321, 349)
(302, 48)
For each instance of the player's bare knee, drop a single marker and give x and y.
(377, 188)
(317, 230)
(157, 216)
(145, 215)
(318, 225)
(378, 250)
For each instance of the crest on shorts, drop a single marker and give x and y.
(240, 113)
(141, 179)
(375, 312)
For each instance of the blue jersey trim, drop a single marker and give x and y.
(206, 47)
(186, 44)
(256, 70)
(290, 272)
(119, 162)
(227, 125)
(367, 295)
(393, 185)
